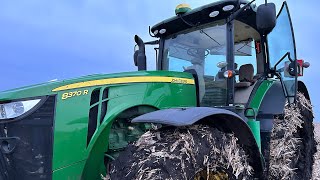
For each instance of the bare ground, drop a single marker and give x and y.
(316, 167)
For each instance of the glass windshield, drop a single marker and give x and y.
(203, 50)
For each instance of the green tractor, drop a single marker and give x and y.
(224, 103)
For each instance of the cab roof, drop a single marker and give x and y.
(200, 16)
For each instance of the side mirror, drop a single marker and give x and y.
(299, 69)
(139, 56)
(266, 18)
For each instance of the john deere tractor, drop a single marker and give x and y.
(224, 103)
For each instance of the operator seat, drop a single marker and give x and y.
(245, 76)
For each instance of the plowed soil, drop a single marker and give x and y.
(316, 167)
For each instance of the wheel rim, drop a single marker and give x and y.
(204, 175)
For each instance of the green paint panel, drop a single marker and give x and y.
(73, 158)
(255, 128)
(157, 95)
(70, 172)
(260, 93)
(70, 142)
(46, 88)
(255, 105)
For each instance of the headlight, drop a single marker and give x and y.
(15, 109)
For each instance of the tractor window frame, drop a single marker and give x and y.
(259, 65)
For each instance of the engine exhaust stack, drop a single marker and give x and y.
(140, 59)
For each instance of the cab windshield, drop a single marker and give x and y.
(203, 50)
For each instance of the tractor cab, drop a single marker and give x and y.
(202, 51)
(226, 46)
(243, 60)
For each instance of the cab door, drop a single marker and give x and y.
(280, 42)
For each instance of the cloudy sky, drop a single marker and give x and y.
(41, 40)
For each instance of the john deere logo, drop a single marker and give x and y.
(179, 81)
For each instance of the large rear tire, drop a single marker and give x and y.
(196, 152)
(292, 145)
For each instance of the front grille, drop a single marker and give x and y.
(98, 108)
(32, 137)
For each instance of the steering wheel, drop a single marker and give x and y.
(197, 52)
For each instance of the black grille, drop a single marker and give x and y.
(97, 110)
(32, 137)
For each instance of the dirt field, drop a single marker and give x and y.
(316, 167)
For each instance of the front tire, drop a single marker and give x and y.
(197, 152)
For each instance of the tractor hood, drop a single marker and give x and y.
(38, 121)
(50, 88)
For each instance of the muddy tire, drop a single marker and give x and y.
(292, 145)
(183, 153)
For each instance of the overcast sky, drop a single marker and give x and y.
(41, 40)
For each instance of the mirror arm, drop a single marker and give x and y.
(152, 42)
(284, 88)
(236, 14)
(278, 75)
(284, 56)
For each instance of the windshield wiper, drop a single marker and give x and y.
(284, 56)
(246, 43)
(202, 32)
